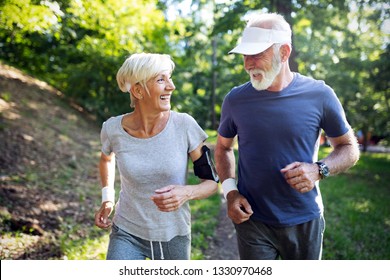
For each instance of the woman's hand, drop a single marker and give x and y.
(172, 197)
(101, 216)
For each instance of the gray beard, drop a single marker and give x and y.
(268, 77)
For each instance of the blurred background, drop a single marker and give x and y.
(77, 46)
(58, 63)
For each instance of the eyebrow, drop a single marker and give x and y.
(163, 74)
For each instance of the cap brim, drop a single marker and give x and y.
(251, 48)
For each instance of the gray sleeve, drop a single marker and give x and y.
(105, 140)
(195, 134)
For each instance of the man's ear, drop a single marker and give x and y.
(285, 52)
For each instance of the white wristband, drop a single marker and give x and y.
(108, 194)
(229, 185)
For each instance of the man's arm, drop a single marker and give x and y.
(224, 158)
(302, 176)
(345, 153)
(239, 210)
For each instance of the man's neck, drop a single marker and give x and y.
(282, 80)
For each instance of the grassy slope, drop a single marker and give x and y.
(49, 184)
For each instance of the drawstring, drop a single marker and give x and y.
(151, 247)
(161, 250)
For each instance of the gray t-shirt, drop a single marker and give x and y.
(146, 165)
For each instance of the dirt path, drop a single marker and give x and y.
(224, 244)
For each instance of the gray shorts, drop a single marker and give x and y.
(125, 246)
(258, 241)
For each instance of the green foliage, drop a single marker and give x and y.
(77, 46)
(25, 16)
(345, 46)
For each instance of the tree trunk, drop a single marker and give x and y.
(284, 8)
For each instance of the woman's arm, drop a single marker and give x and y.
(172, 197)
(107, 177)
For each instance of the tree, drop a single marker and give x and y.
(78, 45)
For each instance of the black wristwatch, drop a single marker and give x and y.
(323, 169)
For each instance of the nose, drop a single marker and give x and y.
(249, 61)
(170, 85)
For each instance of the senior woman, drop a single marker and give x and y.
(151, 146)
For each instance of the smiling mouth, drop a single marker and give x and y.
(257, 74)
(165, 97)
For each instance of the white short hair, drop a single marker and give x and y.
(140, 68)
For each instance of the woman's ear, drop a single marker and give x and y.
(137, 92)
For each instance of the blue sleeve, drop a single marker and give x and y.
(334, 121)
(227, 128)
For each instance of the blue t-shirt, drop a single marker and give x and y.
(275, 129)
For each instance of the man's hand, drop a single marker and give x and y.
(239, 210)
(301, 176)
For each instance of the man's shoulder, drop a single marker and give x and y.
(235, 91)
(309, 81)
(311, 85)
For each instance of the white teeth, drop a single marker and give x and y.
(164, 97)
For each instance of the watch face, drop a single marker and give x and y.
(323, 169)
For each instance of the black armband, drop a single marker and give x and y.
(204, 166)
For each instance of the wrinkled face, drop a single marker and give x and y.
(160, 91)
(263, 68)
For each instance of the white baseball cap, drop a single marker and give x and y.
(256, 40)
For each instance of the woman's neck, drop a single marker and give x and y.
(145, 125)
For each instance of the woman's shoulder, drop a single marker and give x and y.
(181, 118)
(112, 122)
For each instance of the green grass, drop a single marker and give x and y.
(357, 211)
(92, 247)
